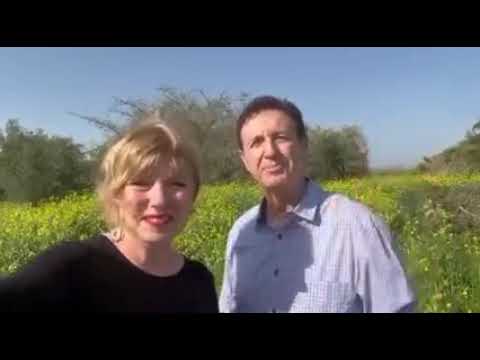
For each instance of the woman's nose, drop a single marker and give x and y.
(158, 193)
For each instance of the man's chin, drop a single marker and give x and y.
(274, 182)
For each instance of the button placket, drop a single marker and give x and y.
(276, 269)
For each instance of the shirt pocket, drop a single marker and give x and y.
(324, 297)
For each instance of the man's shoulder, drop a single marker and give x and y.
(347, 210)
(248, 218)
(344, 207)
(365, 225)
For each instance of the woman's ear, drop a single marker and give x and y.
(116, 197)
(117, 234)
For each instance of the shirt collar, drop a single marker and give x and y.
(307, 208)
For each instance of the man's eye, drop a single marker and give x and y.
(255, 143)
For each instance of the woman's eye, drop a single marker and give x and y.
(140, 184)
(179, 184)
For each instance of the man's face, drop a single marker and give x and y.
(271, 150)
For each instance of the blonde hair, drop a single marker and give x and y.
(136, 152)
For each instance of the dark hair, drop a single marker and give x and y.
(268, 102)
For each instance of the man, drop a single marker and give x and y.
(304, 249)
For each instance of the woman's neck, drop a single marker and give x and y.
(154, 258)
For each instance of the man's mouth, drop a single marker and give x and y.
(273, 168)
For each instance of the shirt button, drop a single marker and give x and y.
(279, 236)
(275, 272)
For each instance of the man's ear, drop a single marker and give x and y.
(242, 157)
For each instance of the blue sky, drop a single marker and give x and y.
(410, 102)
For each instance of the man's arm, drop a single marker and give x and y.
(226, 299)
(383, 284)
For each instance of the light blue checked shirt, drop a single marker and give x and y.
(332, 255)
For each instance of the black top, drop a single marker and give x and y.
(93, 275)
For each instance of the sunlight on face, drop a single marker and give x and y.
(272, 152)
(155, 206)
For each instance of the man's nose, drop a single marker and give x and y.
(270, 148)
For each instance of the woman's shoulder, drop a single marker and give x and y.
(45, 280)
(61, 255)
(69, 248)
(197, 268)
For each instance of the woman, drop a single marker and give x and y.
(148, 182)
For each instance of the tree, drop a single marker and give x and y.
(337, 154)
(476, 128)
(34, 166)
(464, 156)
(210, 120)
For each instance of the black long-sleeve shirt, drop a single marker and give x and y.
(92, 275)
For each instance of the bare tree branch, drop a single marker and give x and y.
(105, 125)
(131, 103)
(169, 94)
(461, 208)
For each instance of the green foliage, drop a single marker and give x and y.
(440, 247)
(25, 230)
(463, 204)
(338, 154)
(463, 157)
(210, 121)
(34, 166)
(205, 236)
(334, 154)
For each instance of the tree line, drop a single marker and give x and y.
(35, 165)
(462, 157)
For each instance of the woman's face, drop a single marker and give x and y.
(155, 207)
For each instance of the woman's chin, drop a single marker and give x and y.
(155, 236)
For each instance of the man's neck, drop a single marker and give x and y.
(280, 200)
